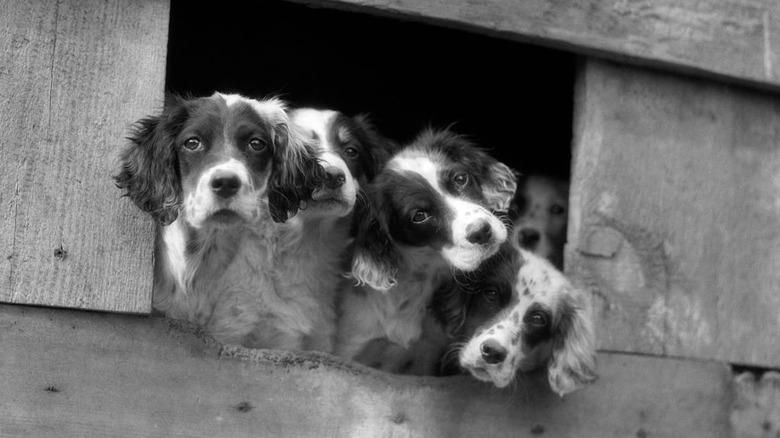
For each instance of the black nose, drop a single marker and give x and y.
(334, 178)
(479, 232)
(492, 352)
(529, 237)
(225, 185)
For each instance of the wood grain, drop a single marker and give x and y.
(75, 75)
(738, 40)
(756, 411)
(675, 214)
(130, 376)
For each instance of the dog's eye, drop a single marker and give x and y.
(420, 216)
(538, 319)
(192, 143)
(461, 179)
(491, 295)
(257, 144)
(351, 152)
(556, 209)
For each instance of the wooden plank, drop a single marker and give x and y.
(675, 214)
(756, 411)
(117, 375)
(74, 75)
(734, 39)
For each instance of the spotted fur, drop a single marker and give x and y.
(517, 313)
(427, 212)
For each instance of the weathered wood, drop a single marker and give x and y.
(735, 39)
(68, 373)
(756, 411)
(73, 76)
(675, 214)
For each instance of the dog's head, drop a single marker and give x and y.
(351, 151)
(517, 313)
(540, 212)
(435, 193)
(214, 160)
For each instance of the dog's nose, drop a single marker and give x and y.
(492, 351)
(479, 232)
(225, 184)
(529, 237)
(334, 178)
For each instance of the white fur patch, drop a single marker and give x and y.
(463, 254)
(175, 239)
(203, 202)
(421, 164)
(271, 109)
(317, 122)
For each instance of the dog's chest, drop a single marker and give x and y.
(309, 259)
(404, 307)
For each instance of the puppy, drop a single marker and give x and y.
(516, 313)
(539, 212)
(313, 249)
(220, 175)
(428, 211)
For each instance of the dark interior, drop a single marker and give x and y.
(511, 98)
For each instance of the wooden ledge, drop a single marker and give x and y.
(72, 373)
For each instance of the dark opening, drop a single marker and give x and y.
(514, 99)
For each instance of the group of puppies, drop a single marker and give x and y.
(306, 229)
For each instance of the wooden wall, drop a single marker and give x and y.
(673, 229)
(735, 40)
(675, 214)
(73, 76)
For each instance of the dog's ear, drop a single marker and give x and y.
(450, 305)
(500, 186)
(573, 360)
(295, 173)
(149, 172)
(374, 258)
(519, 202)
(382, 148)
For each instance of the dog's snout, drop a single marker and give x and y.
(529, 237)
(334, 177)
(492, 351)
(225, 184)
(478, 232)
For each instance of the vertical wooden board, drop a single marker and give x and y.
(83, 71)
(25, 51)
(675, 215)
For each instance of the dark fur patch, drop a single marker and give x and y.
(534, 335)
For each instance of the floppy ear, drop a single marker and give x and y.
(149, 172)
(500, 186)
(519, 202)
(450, 305)
(382, 148)
(573, 360)
(295, 172)
(375, 258)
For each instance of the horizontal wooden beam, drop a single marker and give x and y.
(736, 40)
(75, 373)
